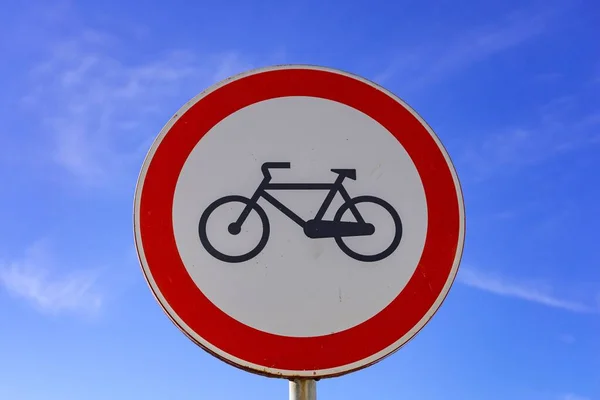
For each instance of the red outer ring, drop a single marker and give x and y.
(283, 352)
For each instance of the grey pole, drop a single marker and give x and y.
(303, 389)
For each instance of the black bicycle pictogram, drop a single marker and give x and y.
(315, 228)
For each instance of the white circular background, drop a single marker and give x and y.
(299, 286)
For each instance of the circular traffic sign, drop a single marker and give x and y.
(298, 221)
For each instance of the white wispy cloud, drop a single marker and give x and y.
(100, 110)
(432, 61)
(572, 396)
(567, 338)
(532, 291)
(35, 279)
(563, 125)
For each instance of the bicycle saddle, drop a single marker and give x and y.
(348, 173)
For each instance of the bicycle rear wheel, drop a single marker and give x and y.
(351, 204)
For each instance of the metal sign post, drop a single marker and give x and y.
(299, 222)
(303, 389)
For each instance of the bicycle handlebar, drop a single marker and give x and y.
(273, 165)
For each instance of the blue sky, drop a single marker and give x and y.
(512, 89)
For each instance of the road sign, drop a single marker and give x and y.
(298, 221)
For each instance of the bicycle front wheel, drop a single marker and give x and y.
(393, 216)
(230, 228)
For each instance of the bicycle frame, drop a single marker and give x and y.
(333, 188)
(316, 228)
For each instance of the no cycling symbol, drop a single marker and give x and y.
(316, 228)
(311, 276)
